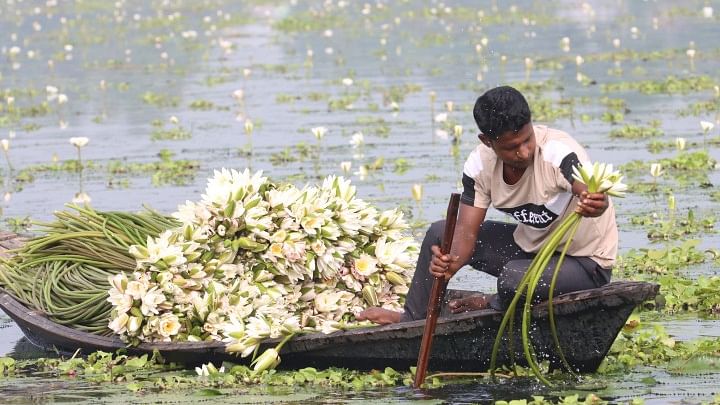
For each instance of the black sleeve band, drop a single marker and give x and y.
(566, 166)
(468, 194)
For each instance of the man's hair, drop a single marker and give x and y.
(500, 110)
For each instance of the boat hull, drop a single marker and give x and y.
(587, 323)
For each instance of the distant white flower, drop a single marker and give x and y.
(616, 42)
(79, 141)
(417, 192)
(62, 98)
(357, 139)
(449, 105)
(690, 53)
(707, 12)
(5, 144)
(680, 143)
(441, 117)
(441, 133)
(457, 131)
(346, 165)
(81, 197)
(706, 126)
(249, 126)
(579, 60)
(319, 132)
(347, 81)
(656, 169)
(238, 94)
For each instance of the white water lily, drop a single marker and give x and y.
(656, 169)
(254, 260)
(150, 301)
(118, 325)
(319, 132)
(680, 143)
(600, 178)
(706, 126)
(357, 139)
(169, 325)
(122, 303)
(366, 265)
(136, 289)
(327, 301)
(417, 192)
(79, 141)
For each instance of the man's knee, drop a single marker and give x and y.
(435, 231)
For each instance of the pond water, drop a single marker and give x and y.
(133, 75)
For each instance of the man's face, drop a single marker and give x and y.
(515, 149)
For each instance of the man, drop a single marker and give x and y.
(524, 171)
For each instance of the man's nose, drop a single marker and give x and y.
(523, 152)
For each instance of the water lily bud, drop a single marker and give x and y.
(680, 143)
(417, 192)
(433, 96)
(5, 144)
(345, 166)
(249, 126)
(457, 131)
(134, 323)
(370, 296)
(269, 359)
(394, 278)
(671, 202)
(656, 169)
(139, 252)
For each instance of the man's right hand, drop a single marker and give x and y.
(443, 265)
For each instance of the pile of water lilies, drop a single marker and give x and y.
(254, 260)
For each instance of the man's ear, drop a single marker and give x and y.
(484, 139)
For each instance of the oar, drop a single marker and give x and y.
(436, 294)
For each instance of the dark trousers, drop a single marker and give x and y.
(496, 253)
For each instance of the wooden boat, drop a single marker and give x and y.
(587, 323)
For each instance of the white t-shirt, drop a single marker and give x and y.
(542, 197)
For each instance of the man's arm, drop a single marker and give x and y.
(468, 225)
(590, 204)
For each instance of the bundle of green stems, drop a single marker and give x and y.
(64, 273)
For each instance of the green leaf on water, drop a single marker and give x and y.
(207, 392)
(134, 386)
(649, 381)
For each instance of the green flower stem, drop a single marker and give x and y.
(542, 256)
(536, 271)
(551, 313)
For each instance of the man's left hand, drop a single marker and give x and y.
(592, 204)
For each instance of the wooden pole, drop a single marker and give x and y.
(436, 294)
